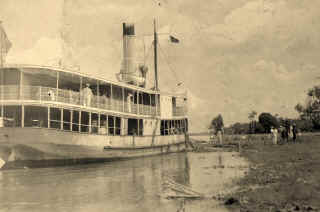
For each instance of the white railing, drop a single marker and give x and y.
(39, 93)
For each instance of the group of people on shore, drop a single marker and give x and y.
(287, 133)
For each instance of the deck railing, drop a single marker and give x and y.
(39, 93)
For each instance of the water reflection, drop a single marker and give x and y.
(134, 185)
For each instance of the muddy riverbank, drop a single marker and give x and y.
(281, 177)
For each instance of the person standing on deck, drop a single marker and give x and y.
(129, 102)
(87, 95)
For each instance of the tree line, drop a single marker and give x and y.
(308, 120)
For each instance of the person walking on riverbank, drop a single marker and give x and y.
(274, 133)
(294, 133)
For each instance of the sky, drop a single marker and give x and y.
(233, 56)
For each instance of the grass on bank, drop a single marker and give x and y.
(283, 177)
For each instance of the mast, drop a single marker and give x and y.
(155, 43)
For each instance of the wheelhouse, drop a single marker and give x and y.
(46, 97)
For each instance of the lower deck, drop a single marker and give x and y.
(83, 120)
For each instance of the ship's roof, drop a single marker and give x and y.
(39, 70)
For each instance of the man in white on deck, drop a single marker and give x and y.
(129, 102)
(87, 95)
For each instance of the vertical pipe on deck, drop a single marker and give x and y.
(61, 119)
(138, 130)
(79, 121)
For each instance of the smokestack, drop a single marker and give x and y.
(130, 72)
(128, 51)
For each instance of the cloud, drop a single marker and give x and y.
(46, 51)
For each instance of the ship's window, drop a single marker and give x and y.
(55, 118)
(35, 116)
(94, 123)
(111, 125)
(75, 121)
(84, 121)
(12, 116)
(132, 126)
(66, 119)
(103, 125)
(118, 126)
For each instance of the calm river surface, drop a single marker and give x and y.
(133, 185)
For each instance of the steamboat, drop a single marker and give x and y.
(55, 116)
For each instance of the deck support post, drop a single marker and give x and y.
(71, 119)
(156, 103)
(57, 98)
(107, 124)
(80, 92)
(48, 116)
(111, 97)
(90, 117)
(142, 106)
(2, 94)
(138, 107)
(123, 100)
(98, 94)
(22, 116)
(99, 121)
(114, 125)
(20, 86)
(80, 121)
(150, 105)
(138, 130)
(61, 119)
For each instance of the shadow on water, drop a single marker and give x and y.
(133, 185)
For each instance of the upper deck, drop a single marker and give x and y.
(50, 85)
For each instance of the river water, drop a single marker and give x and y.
(133, 185)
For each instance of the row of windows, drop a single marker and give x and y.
(70, 120)
(171, 127)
